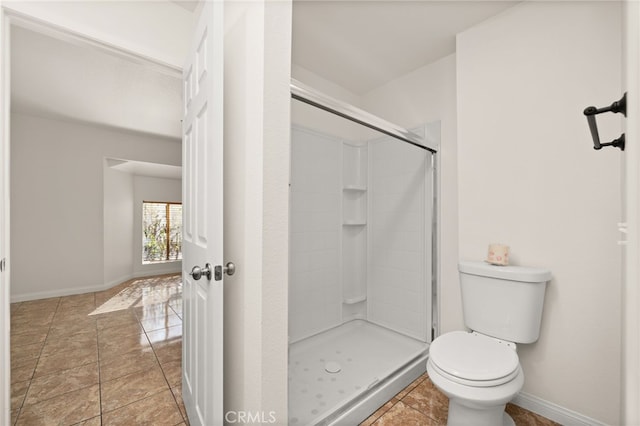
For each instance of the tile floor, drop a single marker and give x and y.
(421, 403)
(114, 358)
(120, 365)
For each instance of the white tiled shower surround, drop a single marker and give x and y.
(315, 290)
(352, 238)
(400, 231)
(360, 219)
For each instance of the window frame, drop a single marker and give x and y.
(167, 232)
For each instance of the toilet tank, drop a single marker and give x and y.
(503, 301)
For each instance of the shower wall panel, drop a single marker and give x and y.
(315, 294)
(400, 237)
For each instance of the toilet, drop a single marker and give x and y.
(479, 371)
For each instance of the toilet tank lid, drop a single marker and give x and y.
(513, 273)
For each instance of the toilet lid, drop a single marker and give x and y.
(474, 359)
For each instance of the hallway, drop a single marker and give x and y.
(103, 358)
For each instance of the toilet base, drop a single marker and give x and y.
(476, 406)
(461, 415)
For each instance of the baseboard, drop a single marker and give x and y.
(61, 292)
(155, 272)
(115, 282)
(553, 411)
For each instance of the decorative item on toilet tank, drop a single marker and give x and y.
(498, 254)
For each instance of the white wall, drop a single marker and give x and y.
(57, 194)
(325, 86)
(146, 188)
(256, 193)
(422, 96)
(429, 93)
(305, 115)
(529, 178)
(158, 30)
(124, 194)
(118, 226)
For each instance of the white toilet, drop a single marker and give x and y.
(479, 371)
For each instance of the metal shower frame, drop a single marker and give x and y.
(307, 94)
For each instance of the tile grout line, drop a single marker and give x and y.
(60, 308)
(407, 390)
(424, 414)
(157, 360)
(162, 369)
(37, 362)
(58, 372)
(384, 412)
(134, 402)
(99, 363)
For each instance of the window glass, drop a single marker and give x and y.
(161, 232)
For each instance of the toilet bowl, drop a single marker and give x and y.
(479, 371)
(478, 374)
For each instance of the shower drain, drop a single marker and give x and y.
(332, 367)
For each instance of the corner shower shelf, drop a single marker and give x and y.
(354, 300)
(355, 179)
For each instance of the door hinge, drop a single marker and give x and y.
(3, 263)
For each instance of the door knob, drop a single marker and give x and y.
(197, 272)
(229, 269)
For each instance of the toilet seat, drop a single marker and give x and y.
(472, 359)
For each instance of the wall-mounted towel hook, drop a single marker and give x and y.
(591, 112)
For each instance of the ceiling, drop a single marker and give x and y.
(55, 78)
(141, 168)
(359, 45)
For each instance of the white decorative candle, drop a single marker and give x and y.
(498, 254)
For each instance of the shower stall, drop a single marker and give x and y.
(363, 247)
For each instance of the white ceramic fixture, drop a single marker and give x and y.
(479, 371)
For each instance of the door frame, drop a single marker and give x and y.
(630, 318)
(5, 293)
(9, 17)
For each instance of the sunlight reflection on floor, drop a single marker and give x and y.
(142, 292)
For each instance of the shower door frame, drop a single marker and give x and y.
(308, 95)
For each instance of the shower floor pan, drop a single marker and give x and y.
(343, 374)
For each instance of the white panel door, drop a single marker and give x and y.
(202, 222)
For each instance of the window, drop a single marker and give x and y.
(161, 232)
